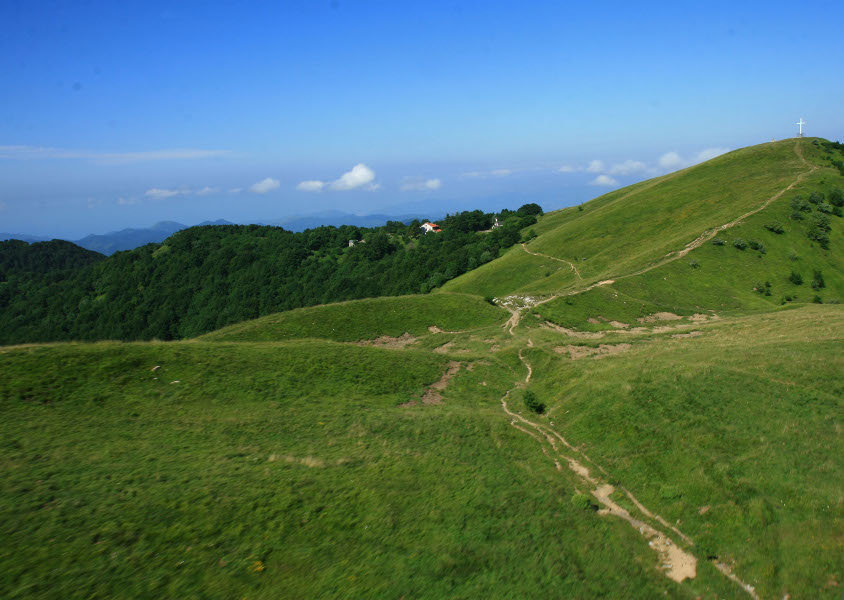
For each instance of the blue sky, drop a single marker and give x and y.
(116, 114)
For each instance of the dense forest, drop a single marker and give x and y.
(204, 278)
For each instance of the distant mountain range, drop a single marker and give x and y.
(131, 238)
(337, 218)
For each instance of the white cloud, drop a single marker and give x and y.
(310, 186)
(161, 194)
(39, 152)
(265, 185)
(360, 175)
(235, 190)
(567, 169)
(595, 166)
(605, 180)
(671, 160)
(419, 184)
(628, 167)
(206, 191)
(126, 201)
(491, 173)
(710, 153)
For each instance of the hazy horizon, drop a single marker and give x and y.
(120, 116)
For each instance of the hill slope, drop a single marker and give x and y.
(637, 229)
(641, 426)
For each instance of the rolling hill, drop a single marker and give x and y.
(645, 413)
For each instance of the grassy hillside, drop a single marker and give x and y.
(253, 470)
(368, 319)
(635, 227)
(673, 432)
(733, 433)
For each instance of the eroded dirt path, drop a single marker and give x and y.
(562, 260)
(710, 233)
(676, 562)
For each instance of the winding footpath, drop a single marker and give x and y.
(676, 562)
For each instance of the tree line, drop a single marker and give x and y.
(203, 278)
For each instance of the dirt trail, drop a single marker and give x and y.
(710, 233)
(562, 260)
(676, 562)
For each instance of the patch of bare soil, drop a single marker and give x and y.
(677, 563)
(660, 316)
(576, 352)
(691, 334)
(588, 335)
(592, 320)
(619, 324)
(445, 348)
(432, 395)
(385, 341)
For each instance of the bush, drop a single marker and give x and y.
(819, 231)
(815, 198)
(799, 204)
(583, 502)
(817, 300)
(793, 255)
(817, 281)
(694, 264)
(825, 208)
(757, 245)
(533, 403)
(836, 197)
(796, 278)
(775, 227)
(763, 288)
(529, 235)
(718, 242)
(739, 243)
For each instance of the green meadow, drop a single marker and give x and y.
(673, 432)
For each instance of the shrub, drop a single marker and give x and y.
(819, 231)
(836, 197)
(796, 278)
(490, 300)
(533, 403)
(796, 216)
(775, 227)
(793, 255)
(817, 300)
(718, 242)
(694, 264)
(815, 198)
(757, 245)
(583, 502)
(817, 281)
(799, 204)
(529, 235)
(580, 208)
(763, 288)
(825, 208)
(739, 243)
